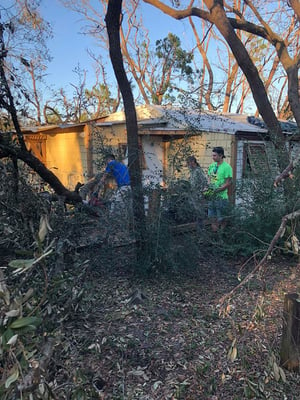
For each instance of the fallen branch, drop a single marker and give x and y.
(38, 368)
(279, 233)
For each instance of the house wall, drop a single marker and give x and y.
(106, 137)
(37, 145)
(201, 147)
(271, 158)
(74, 155)
(154, 155)
(66, 156)
(116, 136)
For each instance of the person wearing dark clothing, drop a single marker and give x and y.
(198, 182)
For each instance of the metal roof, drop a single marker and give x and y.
(45, 128)
(170, 119)
(166, 119)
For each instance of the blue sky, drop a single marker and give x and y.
(69, 47)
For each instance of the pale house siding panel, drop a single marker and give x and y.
(201, 146)
(294, 150)
(240, 159)
(106, 139)
(153, 151)
(64, 157)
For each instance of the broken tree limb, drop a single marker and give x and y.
(290, 343)
(36, 165)
(284, 174)
(279, 233)
(38, 368)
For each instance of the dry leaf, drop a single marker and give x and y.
(276, 371)
(232, 353)
(295, 244)
(13, 340)
(44, 227)
(282, 374)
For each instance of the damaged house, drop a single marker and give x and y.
(166, 136)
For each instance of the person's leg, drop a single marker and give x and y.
(212, 215)
(121, 211)
(198, 208)
(221, 208)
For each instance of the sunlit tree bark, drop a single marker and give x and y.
(216, 15)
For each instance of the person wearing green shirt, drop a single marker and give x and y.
(220, 179)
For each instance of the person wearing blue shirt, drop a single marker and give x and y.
(121, 175)
(118, 170)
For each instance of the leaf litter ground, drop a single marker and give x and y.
(166, 337)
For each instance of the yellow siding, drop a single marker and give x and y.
(111, 136)
(201, 147)
(66, 157)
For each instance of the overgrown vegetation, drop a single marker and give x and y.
(79, 322)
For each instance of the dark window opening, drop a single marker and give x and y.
(123, 151)
(256, 159)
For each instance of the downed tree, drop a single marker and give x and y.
(16, 149)
(19, 153)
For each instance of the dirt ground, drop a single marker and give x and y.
(167, 337)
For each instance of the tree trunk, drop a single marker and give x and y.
(218, 16)
(113, 20)
(290, 343)
(225, 25)
(19, 150)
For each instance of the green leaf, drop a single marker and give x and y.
(7, 335)
(26, 321)
(12, 378)
(21, 264)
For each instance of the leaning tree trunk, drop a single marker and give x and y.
(19, 150)
(16, 152)
(290, 344)
(113, 19)
(218, 16)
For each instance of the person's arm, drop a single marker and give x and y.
(225, 186)
(86, 189)
(107, 172)
(104, 177)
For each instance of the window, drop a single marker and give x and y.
(256, 159)
(123, 151)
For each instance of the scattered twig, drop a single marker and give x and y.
(38, 368)
(278, 234)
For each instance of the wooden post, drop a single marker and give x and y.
(88, 144)
(154, 204)
(290, 343)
